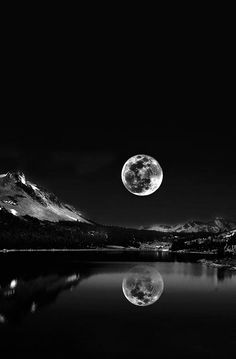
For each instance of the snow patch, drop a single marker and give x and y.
(9, 202)
(13, 211)
(71, 217)
(22, 178)
(35, 188)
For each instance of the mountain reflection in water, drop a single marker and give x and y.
(21, 297)
(61, 303)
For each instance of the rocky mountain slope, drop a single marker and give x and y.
(21, 197)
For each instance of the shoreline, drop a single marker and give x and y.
(123, 254)
(116, 249)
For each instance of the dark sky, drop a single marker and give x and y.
(82, 166)
(71, 125)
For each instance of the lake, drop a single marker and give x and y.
(63, 303)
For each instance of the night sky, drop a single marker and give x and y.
(70, 127)
(82, 166)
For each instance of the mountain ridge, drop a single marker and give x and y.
(217, 225)
(21, 197)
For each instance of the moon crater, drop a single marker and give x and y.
(142, 175)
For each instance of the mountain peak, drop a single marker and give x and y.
(15, 177)
(19, 176)
(219, 220)
(21, 198)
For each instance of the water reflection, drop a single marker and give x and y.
(143, 285)
(21, 297)
(26, 286)
(96, 320)
(223, 274)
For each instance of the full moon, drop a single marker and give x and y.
(143, 285)
(142, 175)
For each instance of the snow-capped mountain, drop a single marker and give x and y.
(20, 197)
(216, 226)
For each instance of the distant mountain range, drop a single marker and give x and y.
(21, 197)
(218, 225)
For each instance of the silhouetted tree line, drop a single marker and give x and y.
(30, 233)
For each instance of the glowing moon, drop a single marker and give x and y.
(143, 285)
(142, 175)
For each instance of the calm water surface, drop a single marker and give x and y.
(67, 305)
